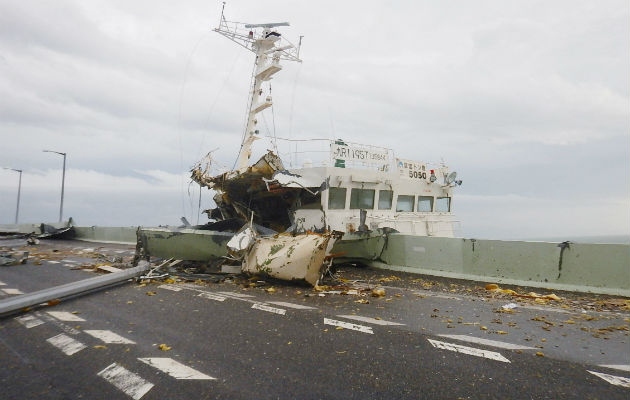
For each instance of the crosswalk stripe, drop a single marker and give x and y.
(109, 337)
(488, 342)
(66, 344)
(348, 325)
(369, 320)
(65, 316)
(131, 384)
(174, 368)
(468, 350)
(612, 379)
(29, 321)
(12, 291)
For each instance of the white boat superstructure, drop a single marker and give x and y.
(358, 188)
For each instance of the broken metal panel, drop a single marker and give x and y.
(16, 304)
(361, 245)
(8, 258)
(292, 258)
(184, 244)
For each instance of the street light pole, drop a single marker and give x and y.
(63, 180)
(17, 208)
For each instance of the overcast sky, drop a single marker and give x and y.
(529, 101)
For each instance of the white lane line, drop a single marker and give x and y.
(174, 369)
(131, 384)
(242, 295)
(66, 344)
(348, 325)
(612, 379)
(29, 321)
(620, 367)
(468, 350)
(274, 310)
(488, 342)
(170, 287)
(70, 261)
(369, 320)
(291, 305)
(120, 251)
(211, 296)
(109, 336)
(65, 316)
(2, 283)
(12, 291)
(53, 262)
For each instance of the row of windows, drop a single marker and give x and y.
(364, 199)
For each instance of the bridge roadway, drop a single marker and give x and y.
(224, 341)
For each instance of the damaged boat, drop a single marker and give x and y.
(286, 222)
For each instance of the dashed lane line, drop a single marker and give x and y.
(12, 291)
(348, 325)
(131, 384)
(66, 344)
(109, 337)
(53, 262)
(29, 321)
(488, 342)
(174, 368)
(468, 350)
(170, 287)
(620, 367)
(2, 283)
(65, 316)
(291, 305)
(369, 320)
(612, 379)
(234, 294)
(270, 309)
(211, 296)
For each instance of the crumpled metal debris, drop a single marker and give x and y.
(8, 258)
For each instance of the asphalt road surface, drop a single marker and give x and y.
(224, 340)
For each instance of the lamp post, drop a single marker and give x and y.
(17, 208)
(63, 180)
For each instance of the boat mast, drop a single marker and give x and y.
(268, 46)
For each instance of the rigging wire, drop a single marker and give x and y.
(179, 120)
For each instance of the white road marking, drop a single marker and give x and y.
(242, 295)
(291, 305)
(174, 369)
(274, 310)
(468, 350)
(29, 321)
(369, 320)
(88, 250)
(170, 287)
(440, 296)
(65, 316)
(53, 262)
(66, 344)
(2, 283)
(488, 342)
(109, 337)
(120, 251)
(131, 384)
(70, 261)
(612, 379)
(12, 291)
(211, 296)
(348, 325)
(620, 367)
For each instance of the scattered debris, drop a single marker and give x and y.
(9, 258)
(164, 347)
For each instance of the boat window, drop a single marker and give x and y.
(404, 203)
(425, 203)
(443, 204)
(309, 201)
(385, 199)
(336, 198)
(362, 199)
